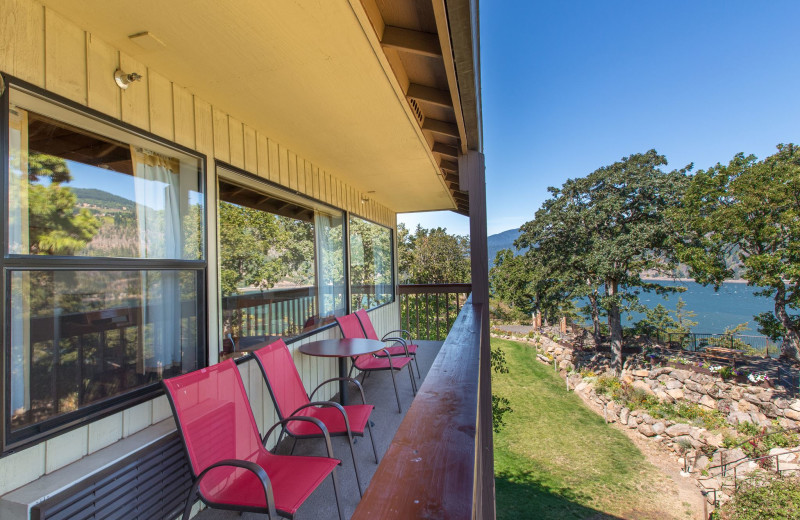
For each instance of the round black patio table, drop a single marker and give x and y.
(342, 349)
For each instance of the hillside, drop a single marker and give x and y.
(500, 241)
(102, 199)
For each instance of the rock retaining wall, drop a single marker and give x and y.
(697, 449)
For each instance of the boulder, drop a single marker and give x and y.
(765, 396)
(680, 375)
(695, 387)
(646, 430)
(663, 396)
(641, 373)
(581, 386)
(647, 419)
(770, 410)
(760, 419)
(658, 427)
(676, 393)
(663, 378)
(713, 439)
(744, 406)
(641, 385)
(783, 454)
(678, 429)
(708, 402)
(736, 392)
(781, 403)
(691, 396)
(795, 405)
(623, 415)
(751, 398)
(739, 417)
(683, 442)
(791, 413)
(672, 384)
(696, 433)
(725, 405)
(660, 371)
(701, 463)
(702, 378)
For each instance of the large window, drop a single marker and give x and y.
(104, 265)
(281, 262)
(371, 267)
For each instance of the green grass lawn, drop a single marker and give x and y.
(555, 458)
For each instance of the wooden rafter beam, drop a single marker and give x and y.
(449, 166)
(431, 95)
(408, 40)
(440, 127)
(447, 150)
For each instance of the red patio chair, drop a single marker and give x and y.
(291, 400)
(351, 328)
(230, 465)
(403, 346)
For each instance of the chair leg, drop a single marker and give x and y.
(396, 395)
(336, 493)
(419, 374)
(187, 511)
(372, 438)
(411, 376)
(355, 465)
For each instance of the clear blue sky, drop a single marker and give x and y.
(569, 86)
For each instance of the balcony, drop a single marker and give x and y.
(428, 454)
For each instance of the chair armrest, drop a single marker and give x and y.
(327, 404)
(253, 468)
(314, 420)
(401, 331)
(357, 383)
(400, 341)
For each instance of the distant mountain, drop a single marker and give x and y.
(500, 241)
(102, 199)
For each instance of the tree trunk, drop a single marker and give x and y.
(614, 327)
(595, 317)
(791, 341)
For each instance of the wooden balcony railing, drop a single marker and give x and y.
(434, 468)
(429, 310)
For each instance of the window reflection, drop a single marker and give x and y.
(75, 193)
(78, 337)
(281, 266)
(371, 269)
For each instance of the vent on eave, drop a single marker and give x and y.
(416, 109)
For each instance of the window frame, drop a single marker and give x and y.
(58, 425)
(227, 172)
(392, 250)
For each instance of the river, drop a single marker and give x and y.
(733, 304)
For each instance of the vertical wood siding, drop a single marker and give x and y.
(43, 48)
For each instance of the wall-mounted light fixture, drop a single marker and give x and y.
(123, 79)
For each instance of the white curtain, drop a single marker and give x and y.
(18, 243)
(325, 282)
(157, 214)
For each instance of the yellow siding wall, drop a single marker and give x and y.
(39, 46)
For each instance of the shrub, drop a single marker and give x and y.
(777, 500)
(607, 385)
(748, 429)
